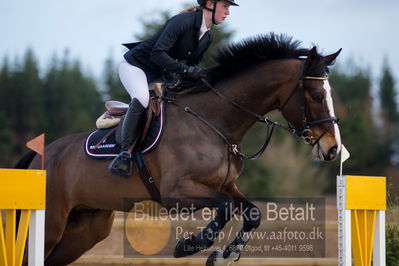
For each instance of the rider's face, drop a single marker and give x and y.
(222, 11)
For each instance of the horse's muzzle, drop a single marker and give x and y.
(330, 155)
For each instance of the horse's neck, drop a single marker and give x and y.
(255, 90)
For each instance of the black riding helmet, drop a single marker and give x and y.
(202, 4)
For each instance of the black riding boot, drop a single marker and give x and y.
(121, 165)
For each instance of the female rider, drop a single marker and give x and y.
(174, 51)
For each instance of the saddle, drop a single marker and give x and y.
(105, 141)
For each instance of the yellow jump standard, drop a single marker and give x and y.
(361, 203)
(23, 190)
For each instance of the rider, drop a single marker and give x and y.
(174, 51)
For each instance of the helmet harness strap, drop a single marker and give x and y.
(213, 10)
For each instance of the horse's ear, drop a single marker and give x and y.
(311, 56)
(313, 51)
(330, 59)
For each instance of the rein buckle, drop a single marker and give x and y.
(234, 149)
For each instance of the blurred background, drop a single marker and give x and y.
(59, 59)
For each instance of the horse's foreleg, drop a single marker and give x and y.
(204, 239)
(201, 196)
(85, 228)
(252, 218)
(56, 220)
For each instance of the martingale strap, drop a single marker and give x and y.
(146, 176)
(233, 148)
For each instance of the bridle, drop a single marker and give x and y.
(308, 122)
(304, 132)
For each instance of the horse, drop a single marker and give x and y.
(199, 156)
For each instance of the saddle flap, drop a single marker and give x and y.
(116, 107)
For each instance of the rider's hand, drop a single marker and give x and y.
(195, 72)
(171, 79)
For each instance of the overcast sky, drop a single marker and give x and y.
(93, 29)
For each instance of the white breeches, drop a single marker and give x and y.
(135, 82)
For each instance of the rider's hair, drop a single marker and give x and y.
(191, 9)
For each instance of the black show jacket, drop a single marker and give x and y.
(172, 48)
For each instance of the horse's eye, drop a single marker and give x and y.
(317, 97)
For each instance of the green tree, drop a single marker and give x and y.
(87, 101)
(72, 99)
(113, 87)
(52, 99)
(357, 125)
(6, 133)
(389, 114)
(152, 25)
(25, 109)
(388, 95)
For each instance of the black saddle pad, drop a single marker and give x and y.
(109, 148)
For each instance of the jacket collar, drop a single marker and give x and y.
(198, 19)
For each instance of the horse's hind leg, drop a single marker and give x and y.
(84, 229)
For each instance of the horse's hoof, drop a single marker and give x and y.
(184, 248)
(180, 250)
(212, 259)
(216, 259)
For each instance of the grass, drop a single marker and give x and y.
(392, 230)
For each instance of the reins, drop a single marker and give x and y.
(271, 125)
(233, 148)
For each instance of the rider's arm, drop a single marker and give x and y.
(172, 32)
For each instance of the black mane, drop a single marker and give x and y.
(235, 57)
(238, 56)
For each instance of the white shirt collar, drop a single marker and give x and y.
(203, 29)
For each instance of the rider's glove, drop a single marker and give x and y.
(195, 72)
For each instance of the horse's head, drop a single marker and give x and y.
(309, 107)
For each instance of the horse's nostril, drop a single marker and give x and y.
(332, 153)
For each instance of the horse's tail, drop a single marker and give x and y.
(25, 161)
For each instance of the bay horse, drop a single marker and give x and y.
(197, 160)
